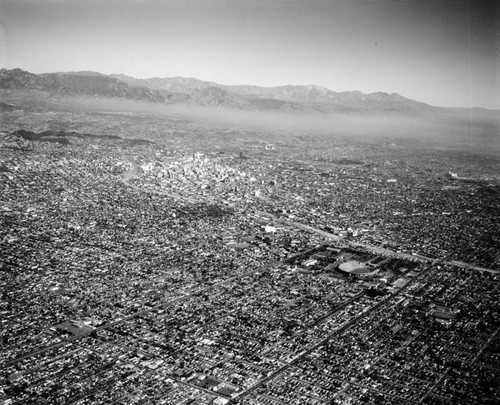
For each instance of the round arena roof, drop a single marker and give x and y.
(354, 267)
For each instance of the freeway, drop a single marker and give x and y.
(330, 236)
(388, 252)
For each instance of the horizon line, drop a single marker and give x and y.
(468, 107)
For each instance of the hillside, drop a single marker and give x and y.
(304, 99)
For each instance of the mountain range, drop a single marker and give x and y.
(301, 99)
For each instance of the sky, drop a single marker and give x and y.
(442, 52)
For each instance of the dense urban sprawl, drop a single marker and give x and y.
(325, 272)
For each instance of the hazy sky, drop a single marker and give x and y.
(430, 50)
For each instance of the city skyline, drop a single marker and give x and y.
(439, 52)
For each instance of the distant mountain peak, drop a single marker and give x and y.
(303, 98)
(80, 73)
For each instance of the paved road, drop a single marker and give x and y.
(391, 253)
(130, 317)
(376, 249)
(321, 342)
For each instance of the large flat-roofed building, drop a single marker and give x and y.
(356, 268)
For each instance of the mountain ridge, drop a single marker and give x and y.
(309, 98)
